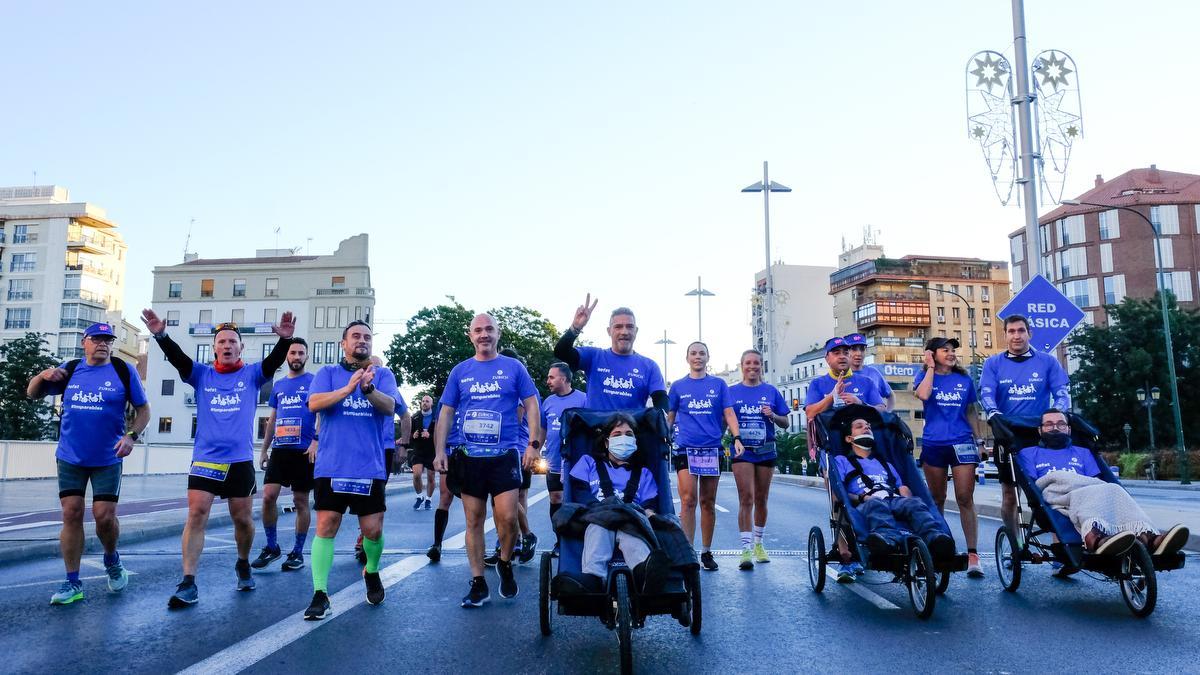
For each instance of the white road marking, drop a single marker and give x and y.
(59, 580)
(861, 591)
(28, 526)
(243, 655)
(95, 564)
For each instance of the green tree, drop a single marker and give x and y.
(1118, 359)
(23, 418)
(532, 336)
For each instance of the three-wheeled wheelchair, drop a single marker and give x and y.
(911, 563)
(618, 602)
(1134, 571)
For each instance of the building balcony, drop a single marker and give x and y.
(82, 242)
(11, 324)
(75, 323)
(243, 329)
(22, 266)
(86, 297)
(88, 268)
(24, 238)
(916, 269)
(20, 295)
(70, 352)
(320, 292)
(892, 313)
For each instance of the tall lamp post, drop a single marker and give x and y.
(1176, 408)
(1127, 428)
(971, 320)
(700, 292)
(1149, 399)
(664, 342)
(766, 186)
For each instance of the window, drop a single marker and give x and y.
(174, 289)
(956, 314)
(164, 425)
(987, 316)
(204, 353)
(1105, 258)
(319, 318)
(194, 427)
(338, 282)
(23, 234)
(168, 387)
(266, 349)
(1114, 289)
(318, 351)
(20, 289)
(985, 294)
(958, 336)
(1082, 292)
(23, 262)
(331, 354)
(1070, 231)
(941, 314)
(270, 316)
(206, 316)
(941, 333)
(358, 314)
(343, 316)
(1180, 283)
(172, 317)
(331, 317)
(272, 290)
(970, 315)
(1016, 248)
(238, 316)
(987, 339)
(1166, 218)
(1168, 254)
(262, 427)
(264, 393)
(239, 288)
(969, 291)
(1072, 262)
(1016, 277)
(1044, 238)
(953, 288)
(206, 288)
(20, 317)
(1110, 225)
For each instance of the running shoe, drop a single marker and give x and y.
(245, 580)
(186, 595)
(118, 578)
(528, 548)
(478, 595)
(434, 553)
(508, 582)
(374, 587)
(708, 562)
(268, 556)
(974, 570)
(760, 554)
(747, 561)
(319, 608)
(1170, 541)
(845, 573)
(295, 561)
(428, 504)
(69, 592)
(494, 558)
(419, 502)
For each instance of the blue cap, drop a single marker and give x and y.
(856, 340)
(98, 329)
(835, 343)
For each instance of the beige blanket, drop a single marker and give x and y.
(1090, 502)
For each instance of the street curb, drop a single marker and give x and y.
(135, 535)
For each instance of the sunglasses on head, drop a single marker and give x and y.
(228, 325)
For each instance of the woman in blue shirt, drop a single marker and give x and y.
(948, 442)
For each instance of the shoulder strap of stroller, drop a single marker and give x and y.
(606, 484)
(872, 486)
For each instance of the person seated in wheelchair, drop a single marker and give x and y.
(876, 489)
(1106, 516)
(616, 495)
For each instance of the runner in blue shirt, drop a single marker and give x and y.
(858, 355)
(760, 408)
(700, 404)
(948, 442)
(356, 401)
(840, 386)
(91, 447)
(561, 398)
(618, 377)
(223, 452)
(291, 435)
(487, 389)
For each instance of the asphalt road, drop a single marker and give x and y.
(766, 620)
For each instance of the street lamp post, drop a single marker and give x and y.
(1127, 428)
(700, 292)
(1180, 445)
(664, 342)
(767, 187)
(1149, 402)
(970, 317)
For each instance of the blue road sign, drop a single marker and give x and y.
(1051, 315)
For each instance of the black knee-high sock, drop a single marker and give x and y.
(441, 518)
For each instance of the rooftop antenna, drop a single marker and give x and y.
(276, 237)
(187, 243)
(308, 247)
(35, 176)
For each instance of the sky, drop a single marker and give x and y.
(533, 152)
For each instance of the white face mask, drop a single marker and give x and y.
(622, 447)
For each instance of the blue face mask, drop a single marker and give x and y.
(622, 447)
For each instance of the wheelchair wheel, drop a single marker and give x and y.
(943, 583)
(922, 579)
(624, 623)
(816, 559)
(693, 587)
(1008, 559)
(545, 575)
(1139, 585)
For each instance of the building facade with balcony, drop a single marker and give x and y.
(803, 313)
(63, 268)
(324, 292)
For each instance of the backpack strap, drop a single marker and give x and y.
(606, 484)
(70, 367)
(118, 365)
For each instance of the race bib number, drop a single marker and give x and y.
(351, 486)
(704, 461)
(287, 431)
(753, 432)
(210, 470)
(481, 427)
(966, 453)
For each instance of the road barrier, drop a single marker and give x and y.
(35, 459)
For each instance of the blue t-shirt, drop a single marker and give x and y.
(485, 396)
(616, 381)
(881, 383)
(552, 409)
(93, 419)
(756, 430)
(872, 467)
(225, 407)
(946, 410)
(352, 430)
(1037, 461)
(699, 406)
(858, 384)
(1024, 388)
(585, 470)
(294, 424)
(426, 420)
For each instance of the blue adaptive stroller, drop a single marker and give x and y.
(619, 604)
(912, 563)
(1134, 571)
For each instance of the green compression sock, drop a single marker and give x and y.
(374, 549)
(322, 560)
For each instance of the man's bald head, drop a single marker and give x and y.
(484, 334)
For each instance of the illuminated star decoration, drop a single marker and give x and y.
(990, 72)
(990, 120)
(1053, 70)
(1059, 117)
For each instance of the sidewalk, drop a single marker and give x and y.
(151, 507)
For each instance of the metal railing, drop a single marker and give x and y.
(15, 266)
(20, 295)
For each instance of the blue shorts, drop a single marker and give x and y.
(942, 456)
(73, 480)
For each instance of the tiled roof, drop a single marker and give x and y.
(1149, 187)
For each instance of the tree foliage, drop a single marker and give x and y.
(1118, 359)
(23, 418)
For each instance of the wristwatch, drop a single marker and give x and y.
(133, 435)
(368, 389)
(737, 439)
(536, 444)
